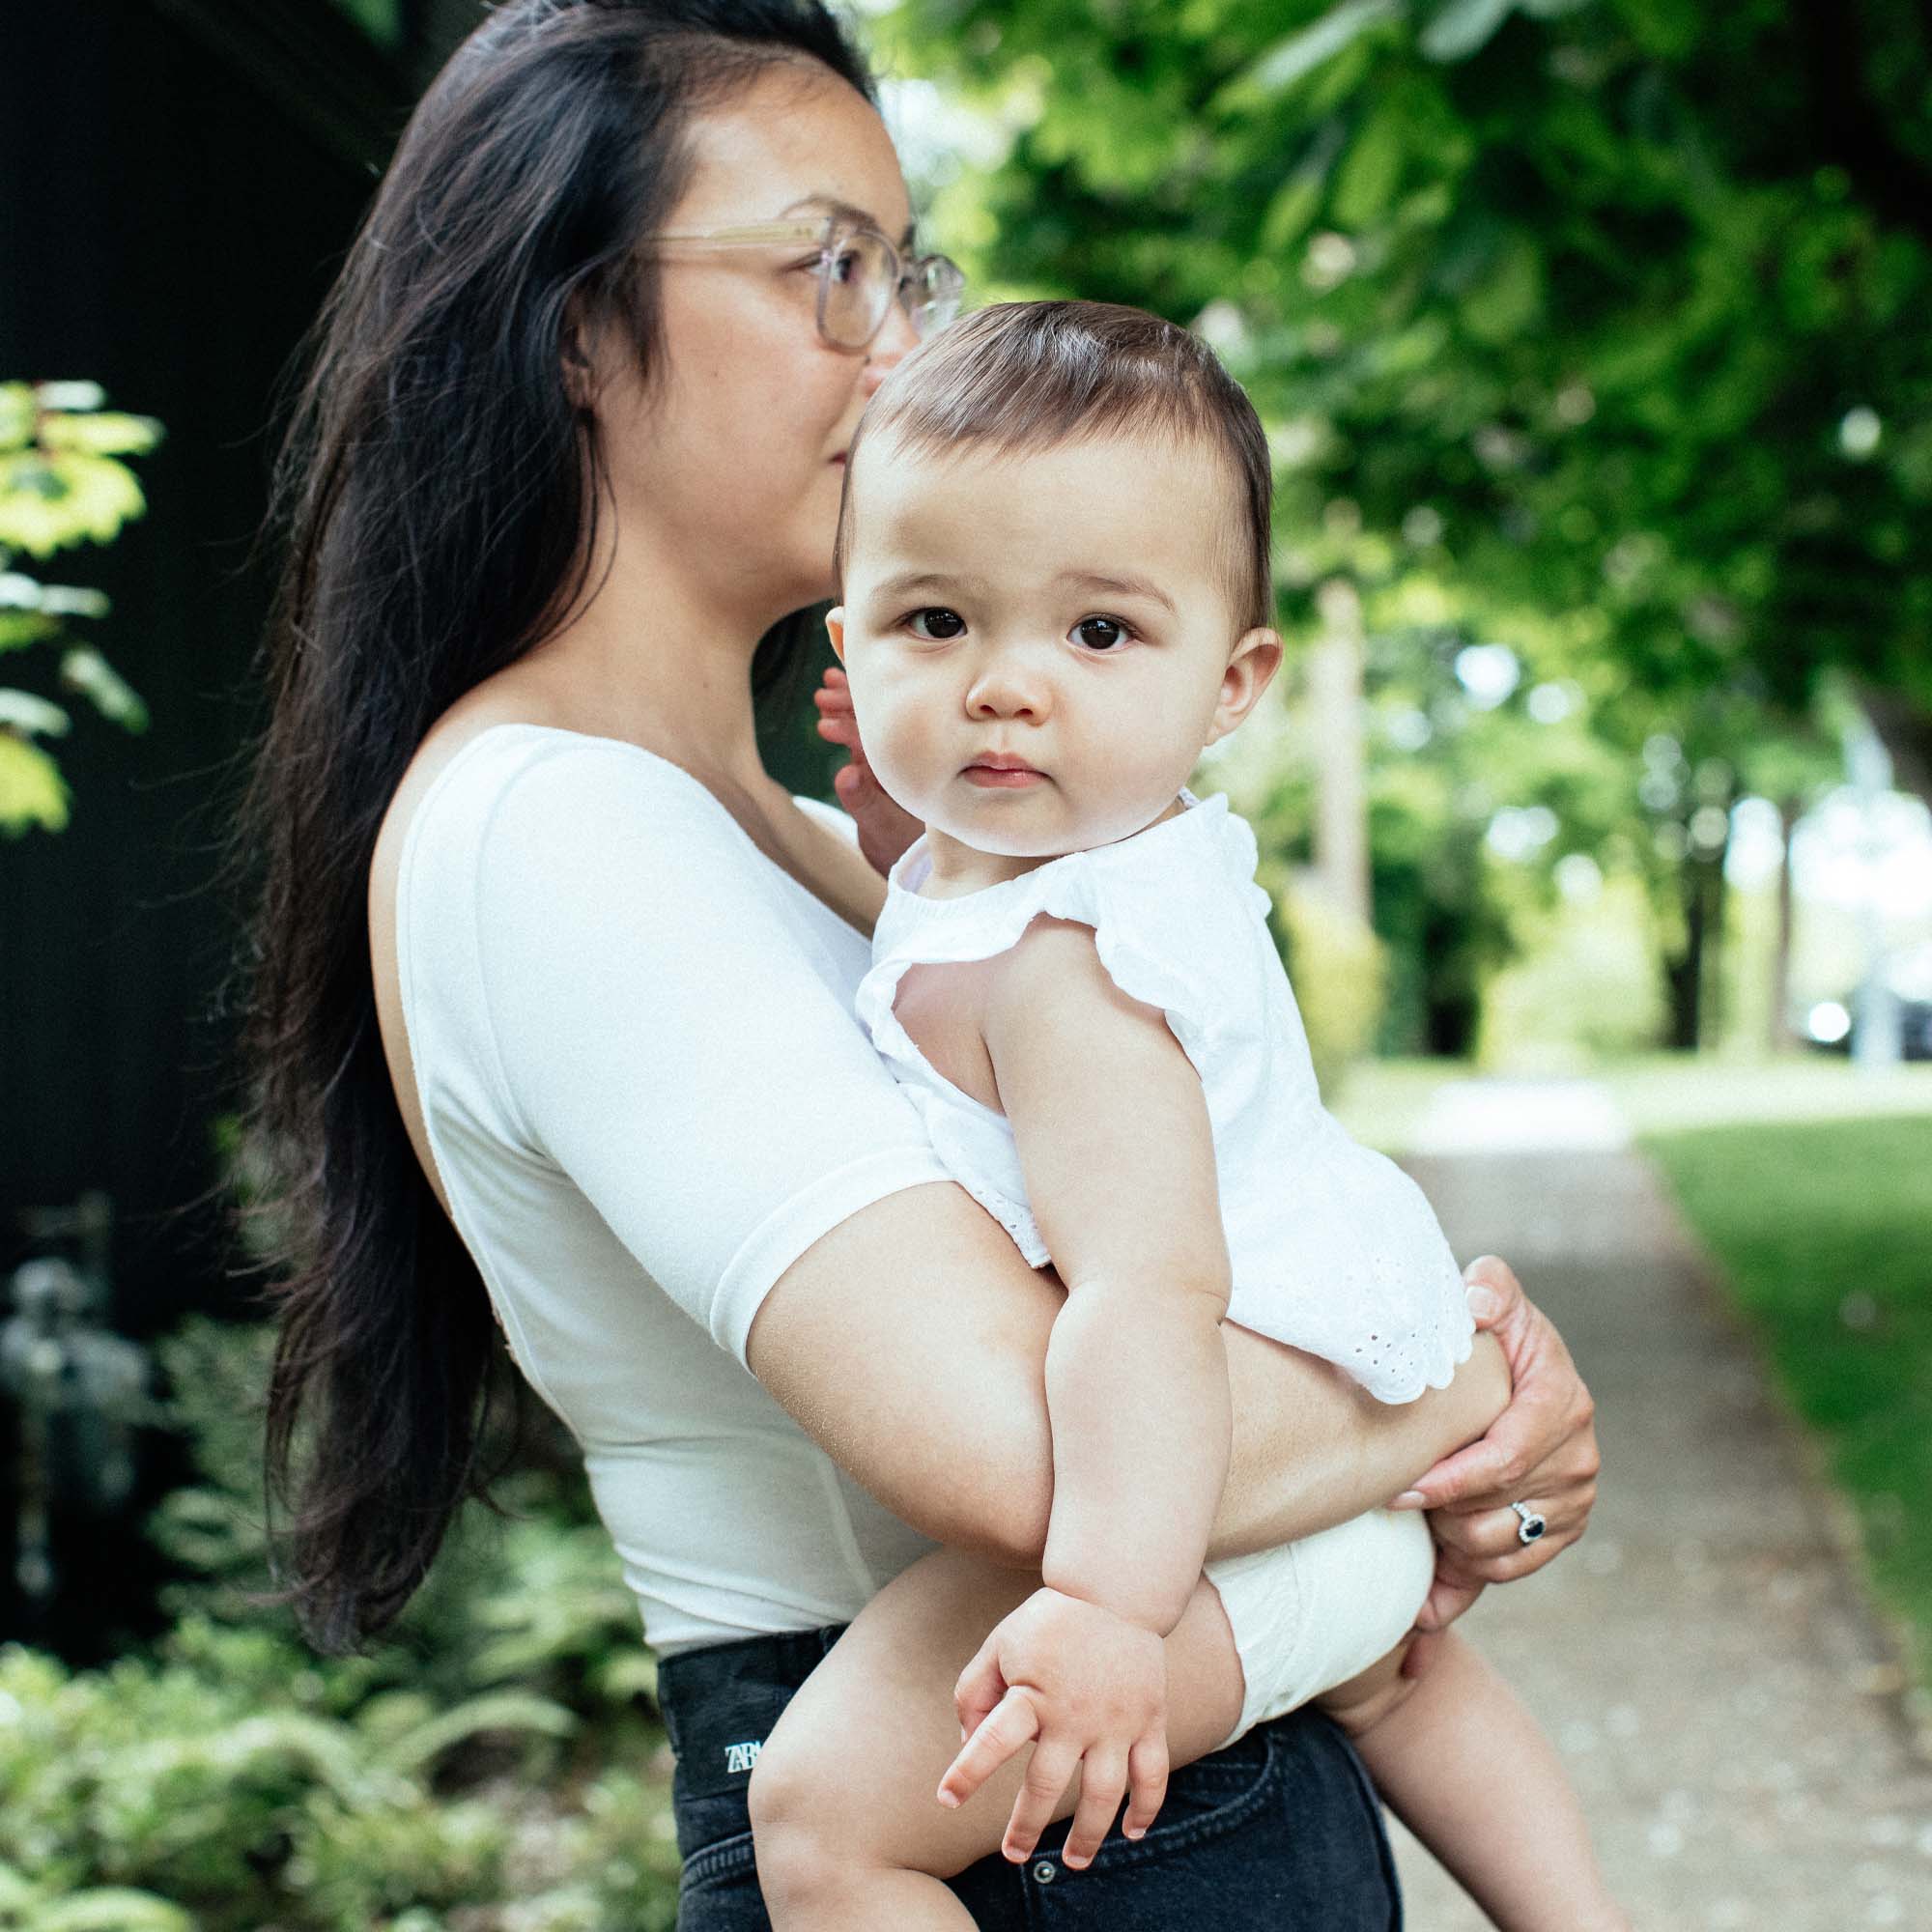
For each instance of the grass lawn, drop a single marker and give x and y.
(1824, 1228)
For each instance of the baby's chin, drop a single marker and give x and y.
(1019, 835)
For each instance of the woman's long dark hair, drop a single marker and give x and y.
(435, 493)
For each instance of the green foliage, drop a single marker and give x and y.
(1338, 968)
(1599, 324)
(493, 1764)
(62, 483)
(1823, 1229)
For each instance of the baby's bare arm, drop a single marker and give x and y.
(1111, 1130)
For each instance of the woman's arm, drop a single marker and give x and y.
(910, 1343)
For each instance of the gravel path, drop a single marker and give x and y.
(1723, 1696)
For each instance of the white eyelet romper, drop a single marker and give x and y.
(1334, 1249)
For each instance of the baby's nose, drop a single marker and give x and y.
(1004, 691)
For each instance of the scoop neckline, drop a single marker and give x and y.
(698, 785)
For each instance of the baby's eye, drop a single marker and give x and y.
(948, 624)
(1101, 634)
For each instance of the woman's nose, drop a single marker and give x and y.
(894, 340)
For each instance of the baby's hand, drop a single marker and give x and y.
(885, 829)
(1092, 1687)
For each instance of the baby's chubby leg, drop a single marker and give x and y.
(1470, 1773)
(849, 1832)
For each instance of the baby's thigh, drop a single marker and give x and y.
(859, 1750)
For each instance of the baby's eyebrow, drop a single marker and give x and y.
(1120, 587)
(919, 579)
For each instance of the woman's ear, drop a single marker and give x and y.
(834, 629)
(1251, 670)
(576, 355)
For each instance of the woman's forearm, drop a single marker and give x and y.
(1311, 1449)
(910, 1343)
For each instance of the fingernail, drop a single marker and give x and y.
(1075, 1863)
(1410, 1499)
(1483, 1303)
(947, 1799)
(1136, 1830)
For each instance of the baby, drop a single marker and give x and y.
(1054, 557)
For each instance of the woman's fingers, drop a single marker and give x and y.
(1546, 1441)
(1103, 1783)
(1047, 1776)
(1146, 1767)
(1448, 1598)
(1012, 1726)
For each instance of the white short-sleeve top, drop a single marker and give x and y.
(1334, 1248)
(646, 1096)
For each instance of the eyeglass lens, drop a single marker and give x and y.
(860, 279)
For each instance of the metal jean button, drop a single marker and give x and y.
(1045, 1871)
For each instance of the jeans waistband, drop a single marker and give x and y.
(721, 1701)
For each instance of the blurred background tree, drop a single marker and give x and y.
(62, 483)
(1590, 335)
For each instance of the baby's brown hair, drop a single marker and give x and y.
(1030, 375)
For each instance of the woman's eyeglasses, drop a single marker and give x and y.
(860, 275)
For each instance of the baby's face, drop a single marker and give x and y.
(1064, 610)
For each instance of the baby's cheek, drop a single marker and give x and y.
(905, 754)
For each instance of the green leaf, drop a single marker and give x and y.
(32, 716)
(20, 628)
(1463, 27)
(1302, 54)
(1370, 171)
(67, 498)
(107, 434)
(16, 415)
(1295, 204)
(85, 671)
(31, 790)
(503, 1711)
(1504, 301)
(112, 1909)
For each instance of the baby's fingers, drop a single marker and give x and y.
(1104, 1782)
(1013, 1724)
(1047, 1776)
(1147, 1766)
(979, 1688)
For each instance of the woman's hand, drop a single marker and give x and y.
(885, 829)
(1541, 1451)
(1092, 1687)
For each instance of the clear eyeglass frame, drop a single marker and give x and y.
(929, 287)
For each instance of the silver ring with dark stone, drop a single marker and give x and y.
(1532, 1524)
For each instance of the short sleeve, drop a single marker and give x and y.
(667, 1037)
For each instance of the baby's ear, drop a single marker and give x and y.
(834, 629)
(1251, 670)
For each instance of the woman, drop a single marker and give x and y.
(553, 1003)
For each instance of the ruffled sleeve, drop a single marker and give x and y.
(1168, 907)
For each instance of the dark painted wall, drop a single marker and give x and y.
(172, 208)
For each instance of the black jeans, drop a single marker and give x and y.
(1280, 1830)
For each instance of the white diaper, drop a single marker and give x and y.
(1310, 1615)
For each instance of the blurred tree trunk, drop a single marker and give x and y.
(1781, 1038)
(1342, 782)
(1690, 972)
